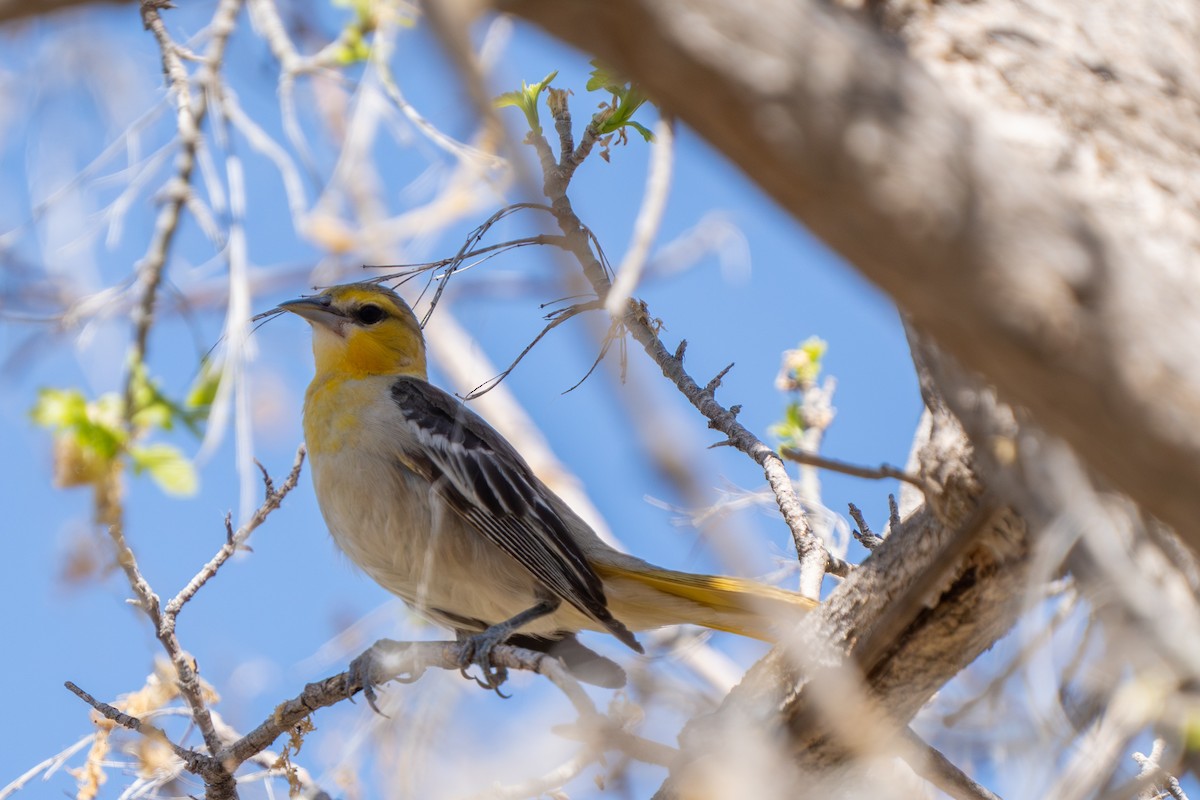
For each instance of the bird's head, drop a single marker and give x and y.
(362, 329)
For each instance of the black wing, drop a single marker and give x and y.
(489, 485)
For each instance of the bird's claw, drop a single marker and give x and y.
(477, 650)
(361, 672)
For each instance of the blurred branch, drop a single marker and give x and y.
(649, 218)
(46, 768)
(1161, 782)
(940, 771)
(189, 114)
(14, 10)
(882, 472)
(1040, 639)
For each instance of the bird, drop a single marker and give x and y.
(437, 507)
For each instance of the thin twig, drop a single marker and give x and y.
(559, 318)
(190, 113)
(197, 763)
(48, 766)
(815, 559)
(934, 767)
(403, 661)
(865, 536)
(882, 472)
(235, 540)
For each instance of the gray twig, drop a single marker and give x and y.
(942, 772)
(197, 763)
(234, 540)
(406, 661)
(815, 560)
(865, 536)
(882, 472)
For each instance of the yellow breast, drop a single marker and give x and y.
(342, 413)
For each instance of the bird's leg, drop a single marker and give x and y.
(477, 648)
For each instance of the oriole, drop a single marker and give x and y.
(438, 508)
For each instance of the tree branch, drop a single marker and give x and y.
(1007, 270)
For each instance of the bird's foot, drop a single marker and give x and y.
(373, 661)
(361, 674)
(477, 650)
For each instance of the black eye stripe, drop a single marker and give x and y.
(369, 314)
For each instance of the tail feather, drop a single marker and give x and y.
(735, 605)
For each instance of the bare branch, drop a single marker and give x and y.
(234, 540)
(1150, 769)
(934, 767)
(815, 560)
(190, 113)
(814, 557)
(197, 763)
(865, 536)
(48, 766)
(882, 472)
(406, 662)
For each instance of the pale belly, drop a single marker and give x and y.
(394, 527)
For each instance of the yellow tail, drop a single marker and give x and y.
(735, 605)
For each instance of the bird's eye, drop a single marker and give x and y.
(369, 314)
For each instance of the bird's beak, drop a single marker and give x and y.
(318, 310)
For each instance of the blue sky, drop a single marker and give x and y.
(261, 628)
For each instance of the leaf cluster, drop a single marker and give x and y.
(617, 114)
(609, 124)
(526, 99)
(93, 437)
(797, 374)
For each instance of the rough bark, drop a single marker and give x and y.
(941, 589)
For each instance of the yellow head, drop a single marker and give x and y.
(362, 329)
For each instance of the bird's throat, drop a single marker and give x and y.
(350, 354)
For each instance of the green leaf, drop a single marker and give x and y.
(168, 467)
(58, 409)
(526, 99)
(354, 48)
(103, 439)
(604, 78)
(155, 414)
(204, 389)
(627, 98)
(815, 346)
(94, 426)
(646, 133)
